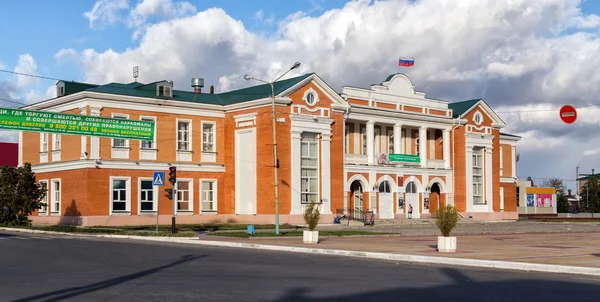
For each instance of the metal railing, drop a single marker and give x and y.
(365, 217)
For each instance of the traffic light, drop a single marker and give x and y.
(169, 194)
(172, 175)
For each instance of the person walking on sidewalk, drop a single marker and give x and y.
(409, 211)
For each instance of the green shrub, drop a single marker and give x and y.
(446, 220)
(312, 216)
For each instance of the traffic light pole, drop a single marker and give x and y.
(173, 229)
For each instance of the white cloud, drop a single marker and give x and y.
(26, 65)
(517, 55)
(9, 136)
(260, 17)
(66, 54)
(163, 9)
(2, 66)
(105, 12)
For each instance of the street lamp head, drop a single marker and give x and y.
(296, 65)
(248, 77)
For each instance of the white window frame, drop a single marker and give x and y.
(347, 139)
(127, 211)
(154, 195)
(363, 142)
(214, 136)
(318, 168)
(191, 195)
(478, 190)
(53, 196)
(120, 116)
(190, 132)
(56, 141)
(167, 90)
(44, 142)
(417, 144)
(44, 210)
(215, 195)
(478, 116)
(152, 119)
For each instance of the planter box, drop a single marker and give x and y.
(311, 237)
(446, 244)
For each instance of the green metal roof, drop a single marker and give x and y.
(506, 134)
(137, 89)
(459, 108)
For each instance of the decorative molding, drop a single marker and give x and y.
(297, 109)
(314, 94)
(363, 181)
(245, 120)
(123, 165)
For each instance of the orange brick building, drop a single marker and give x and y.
(380, 148)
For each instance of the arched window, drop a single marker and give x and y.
(411, 188)
(384, 187)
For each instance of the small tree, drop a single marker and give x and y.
(590, 195)
(562, 201)
(446, 219)
(312, 216)
(20, 195)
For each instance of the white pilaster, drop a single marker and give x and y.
(408, 145)
(469, 160)
(20, 163)
(423, 146)
(397, 138)
(326, 172)
(371, 143)
(95, 141)
(446, 147)
(83, 138)
(296, 177)
(489, 188)
(514, 161)
(357, 137)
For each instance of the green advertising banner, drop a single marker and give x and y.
(397, 159)
(75, 124)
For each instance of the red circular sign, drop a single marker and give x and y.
(568, 114)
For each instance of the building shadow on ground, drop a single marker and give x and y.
(72, 215)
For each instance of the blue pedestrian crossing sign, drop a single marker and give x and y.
(158, 179)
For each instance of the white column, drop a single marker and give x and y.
(469, 161)
(446, 147)
(95, 141)
(423, 146)
(371, 143)
(408, 144)
(357, 137)
(397, 138)
(514, 161)
(296, 170)
(83, 138)
(20, 163)
(326, 172)
(489, 188)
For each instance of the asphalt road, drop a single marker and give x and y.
(51, 268)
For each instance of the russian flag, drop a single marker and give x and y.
(406, 62)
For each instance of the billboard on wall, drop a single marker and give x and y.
(398, 159)
(75, 124)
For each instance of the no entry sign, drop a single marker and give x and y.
(568, 114)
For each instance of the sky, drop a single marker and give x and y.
(526, 58)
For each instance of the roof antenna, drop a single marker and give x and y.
(136, 72)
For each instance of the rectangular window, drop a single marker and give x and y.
(118, 142)
(119, 195)
(55, 206)
(363, 131)
(44, 200)
(208, 137)
(208, 191)
(56, 142)
(149, 144)
(183, 196)
(347, 139)
(146, 196)
(390, 136)
(183, 135)
(309, 168)
(478, 175)
(43, 142)
(417, 145)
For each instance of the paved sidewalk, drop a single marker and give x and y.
(571, 249)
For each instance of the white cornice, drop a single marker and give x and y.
(279, 101)
(124, 165)
(508, 180)
(394, 170)
(392, 117)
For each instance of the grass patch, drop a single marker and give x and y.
(206, 227)
(299, 234)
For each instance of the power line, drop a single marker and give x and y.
(29, 75)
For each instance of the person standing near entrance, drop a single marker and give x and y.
(410, 211)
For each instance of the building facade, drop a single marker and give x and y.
(380, 148)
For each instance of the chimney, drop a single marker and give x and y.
(212, 89)
(197, 84)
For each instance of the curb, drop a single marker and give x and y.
(506, 265)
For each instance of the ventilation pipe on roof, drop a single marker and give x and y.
(197, 84)
(212, 89)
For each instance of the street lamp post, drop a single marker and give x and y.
(275, 158)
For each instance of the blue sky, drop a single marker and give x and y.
(506, 52)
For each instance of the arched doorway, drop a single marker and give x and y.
(356, 199)
(412, 199)
(435, 198)
(386, 201)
